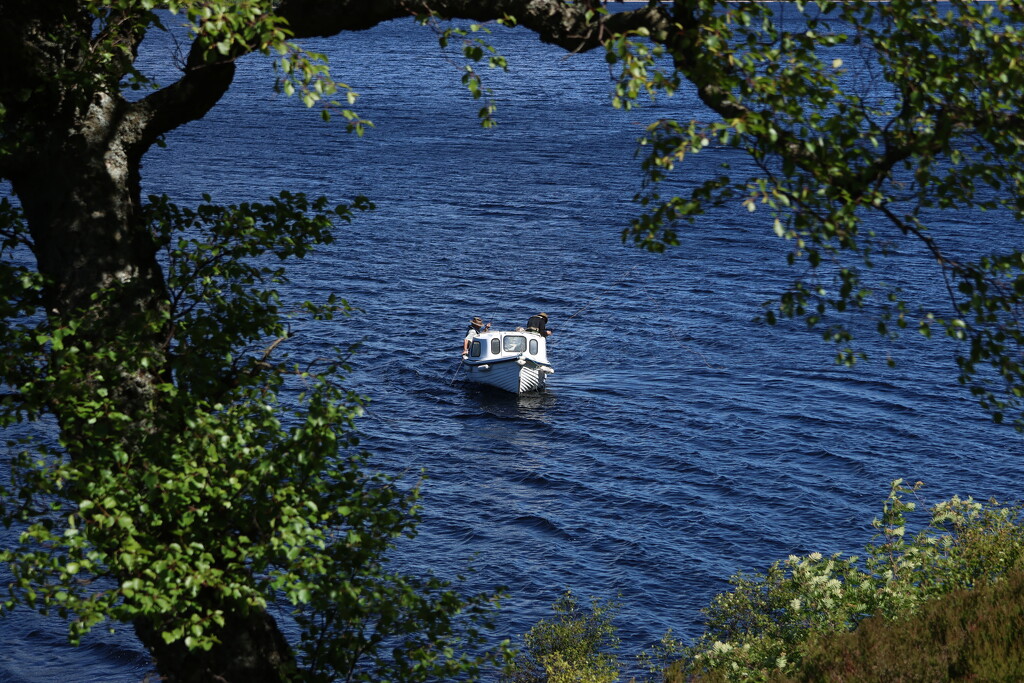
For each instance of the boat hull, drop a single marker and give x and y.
(511, 376)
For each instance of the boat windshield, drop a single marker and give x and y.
(515, 343)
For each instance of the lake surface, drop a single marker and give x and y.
(679, 442)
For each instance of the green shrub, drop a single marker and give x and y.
(576, 646)
(761, 628)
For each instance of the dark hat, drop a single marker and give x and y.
(476, 321)
(543, 315)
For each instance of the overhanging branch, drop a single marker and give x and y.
(188, 99)
(554, 21)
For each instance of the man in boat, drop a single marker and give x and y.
(539, 324)
(476, 326)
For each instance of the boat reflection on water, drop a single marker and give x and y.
(520, 424)
(502, 404)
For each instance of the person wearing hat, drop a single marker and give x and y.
(539, 324)
(476, 325)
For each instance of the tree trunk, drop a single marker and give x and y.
(252, 650)
(74, 167)
(80, 196)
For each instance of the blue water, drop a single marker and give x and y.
(679, 441)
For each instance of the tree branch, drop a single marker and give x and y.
(187, 100)
(554, 21)
(205, 82)
(125, 28)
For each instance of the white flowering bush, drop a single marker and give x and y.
(760, 629)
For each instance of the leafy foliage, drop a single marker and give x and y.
(215, 498)
(762, 627)
(577, 646)
(219, 30)
(852, 164)
(475, 46)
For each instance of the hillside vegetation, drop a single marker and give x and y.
(944, 603)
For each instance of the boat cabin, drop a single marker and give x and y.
(496, 346)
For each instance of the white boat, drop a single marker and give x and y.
(515, 361)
